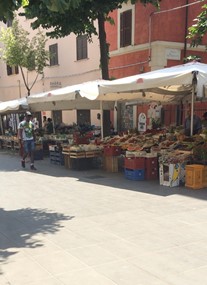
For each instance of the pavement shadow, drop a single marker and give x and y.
(101, 177)
(19, 229)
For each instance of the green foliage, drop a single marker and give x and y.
(72, 16)
(197, 31)
(63, 17)
(20, 51)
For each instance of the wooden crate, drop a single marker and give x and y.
(194, 176)
(111, 163)
(67, 160)
(205, 176)
(77, 154)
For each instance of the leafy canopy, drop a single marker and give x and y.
(199, 29)
(72, 16)
(19, 50)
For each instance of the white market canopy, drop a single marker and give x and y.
(79, 96)
(164, 85)
(13, 106)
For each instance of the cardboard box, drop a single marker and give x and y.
(172, 175)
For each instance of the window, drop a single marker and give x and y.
(126, 28)
(53, 49)
(12, 70)
(82, 47)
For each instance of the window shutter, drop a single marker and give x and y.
(16, 69)
(121, 30)
(126, 28)
(53, 49)
(82, 47)
(9, 70)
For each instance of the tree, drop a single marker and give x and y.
(19, 50)
(199, 29)
(7, 8)
(77, 16)
(71, 16)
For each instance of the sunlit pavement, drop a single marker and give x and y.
(64, 227)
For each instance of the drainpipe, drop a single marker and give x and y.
(186, 32)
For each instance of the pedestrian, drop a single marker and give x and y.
(197, 126)
(27, 138)
(21, 148)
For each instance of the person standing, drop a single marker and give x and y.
(197, 126)
(49, 126)
(27, 138)
(44, 123)
(204, 121)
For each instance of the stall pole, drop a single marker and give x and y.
(194, 84)
(101, 110)
(1, 125)
(115, 116)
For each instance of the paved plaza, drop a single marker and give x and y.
(65, 227)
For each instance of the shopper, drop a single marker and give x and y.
(204, 121)
(44, 123)
(49, 126)
(197, 126)
(27, 138)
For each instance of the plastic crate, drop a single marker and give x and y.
(137, 174)
(112, 150)
(134, 162)
(38, 154)
(151, 174)
(151, 168)
(56, 158)
(151, 162)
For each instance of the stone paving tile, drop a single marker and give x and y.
(61, 227)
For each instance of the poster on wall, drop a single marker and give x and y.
(126, 117)
(142, 122)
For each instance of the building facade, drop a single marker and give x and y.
(75, 60)
(144, 39)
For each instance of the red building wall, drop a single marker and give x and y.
(168, 26)
(152, 26)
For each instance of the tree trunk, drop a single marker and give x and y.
(103, 47)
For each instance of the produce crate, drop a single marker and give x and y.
(151, 168)
(194, 176)
(134, 162)
(111, 163)
(67, 160)
(112, 150)
(136, 175)
(77, 154)
(205, 176)
(151, 174)
(56, 158)
(151, 162)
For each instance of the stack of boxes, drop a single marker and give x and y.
(141, 168)
(56, 156)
